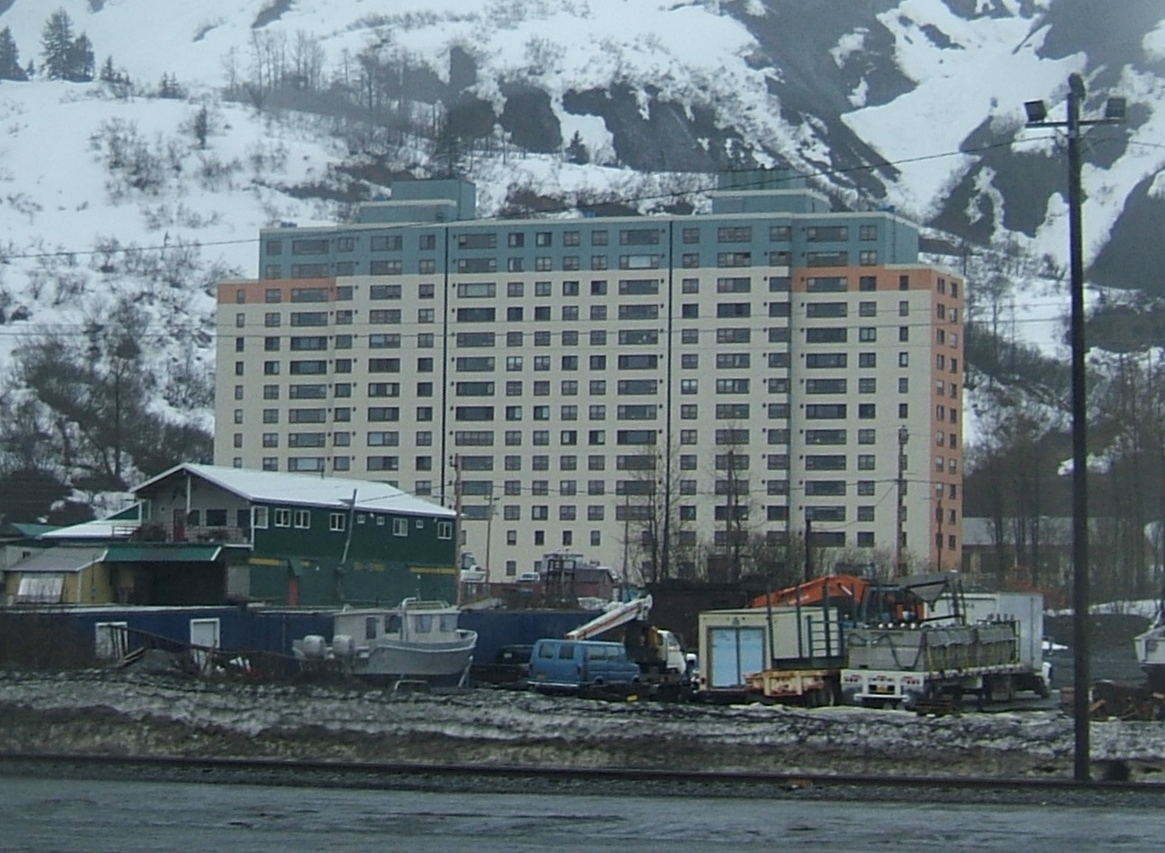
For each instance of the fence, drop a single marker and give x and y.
(130, 644)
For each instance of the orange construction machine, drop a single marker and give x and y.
(856, 599)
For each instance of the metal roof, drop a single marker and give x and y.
(273, 487)
(59, 559)
(32, 531)
(104, 529)
(162, 553)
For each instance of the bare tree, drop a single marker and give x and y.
(656, 529)
(307, 62)
(734, 507)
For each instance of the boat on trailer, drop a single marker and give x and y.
(418, 641)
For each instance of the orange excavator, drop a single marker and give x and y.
(856, 599)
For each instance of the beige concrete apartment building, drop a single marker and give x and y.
(661, 393)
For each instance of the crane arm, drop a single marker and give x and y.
(815, 591)
(614, 617)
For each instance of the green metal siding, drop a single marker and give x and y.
(380, 568)
(322, 583)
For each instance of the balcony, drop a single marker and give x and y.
(157, 532)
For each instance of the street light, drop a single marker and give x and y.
(1037, 117)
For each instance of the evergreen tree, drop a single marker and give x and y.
(576, 150)
(201, 126)
(66, 57)
(117, 81)
(169, 87)
(449, 150)
(10, 57)
(81, 61)
(57, 45)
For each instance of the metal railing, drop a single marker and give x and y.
(195, 534)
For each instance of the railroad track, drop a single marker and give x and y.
(574, 780)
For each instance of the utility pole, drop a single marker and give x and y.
(731, 521)
(626, 545)
(489, 526)
(938, 517)
(900, 526)
(456, 463)
(1037, 117)
(808, 547)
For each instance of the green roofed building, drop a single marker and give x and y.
(211, 533)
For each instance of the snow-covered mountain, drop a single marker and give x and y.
(110, 197)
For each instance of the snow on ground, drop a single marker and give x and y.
(562, 46)
(956, 91)
(55, 194)
(53, 187)
(131, 713)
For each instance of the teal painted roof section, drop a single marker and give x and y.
(157, 553)
(34, 531)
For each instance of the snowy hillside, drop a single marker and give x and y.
(313, 104)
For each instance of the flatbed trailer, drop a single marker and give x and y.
(892, 667)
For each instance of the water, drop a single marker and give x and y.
(126, 816)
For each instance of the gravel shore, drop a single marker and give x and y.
(124, 713)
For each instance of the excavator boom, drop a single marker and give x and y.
(815, 591)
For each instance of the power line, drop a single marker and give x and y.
(794, 176)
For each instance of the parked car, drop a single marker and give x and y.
(510, 667)
(575, 666)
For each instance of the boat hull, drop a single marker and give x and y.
(389, 657)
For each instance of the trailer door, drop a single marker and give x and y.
(735, 653)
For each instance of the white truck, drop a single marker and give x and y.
(987, 644)
(1150, 648)
(658, 652)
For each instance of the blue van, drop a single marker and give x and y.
(578, 665)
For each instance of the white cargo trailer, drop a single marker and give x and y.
(788, 654)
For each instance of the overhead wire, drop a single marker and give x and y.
(794, 176)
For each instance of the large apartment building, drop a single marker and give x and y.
(595, 384)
